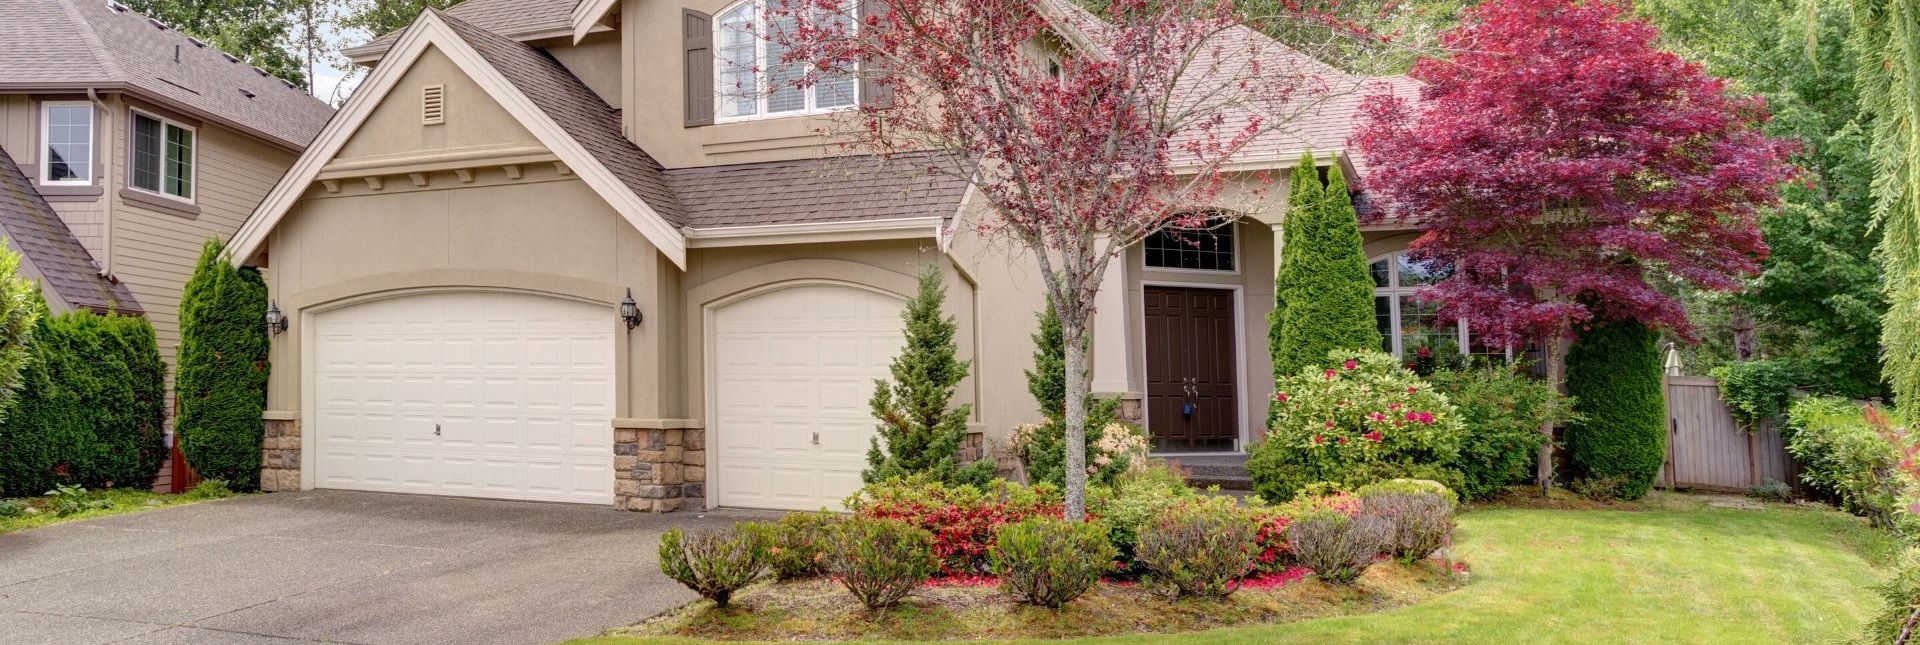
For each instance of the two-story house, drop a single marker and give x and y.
(125, 145)
(544, 253)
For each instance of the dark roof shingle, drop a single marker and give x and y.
(834, 189)
(511, 18)
(77, 44)
(49, 246)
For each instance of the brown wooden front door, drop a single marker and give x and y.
(1191, 382)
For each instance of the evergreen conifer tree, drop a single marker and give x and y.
(222, 369)
(918, 434)
(1045, 453)
(1328, 289)
(1613, 374)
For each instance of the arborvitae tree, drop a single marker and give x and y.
(21, 309)
(222, 383)
(1613, 374)
(918, 434)
(1329, 296)
(1304, 194)
(92, 410)
(1045, 456)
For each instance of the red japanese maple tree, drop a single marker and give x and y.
(1560, 162)
(1084, 133)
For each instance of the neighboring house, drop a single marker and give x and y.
(454, 250)
(124, 146)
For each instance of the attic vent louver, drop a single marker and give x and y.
(197, 42)
(289, 84)
(261, 72)
(433, 104)
(117, 7)
(157, 24)
(246, 92)
(230, 58)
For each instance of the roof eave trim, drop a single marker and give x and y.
(903, 228)
(428, 30)
(588, 15)
(161, 101)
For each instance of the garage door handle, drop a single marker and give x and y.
(436, 429)
(816, 438)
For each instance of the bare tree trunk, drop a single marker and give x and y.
(1073, 333)
(1743, 327)
(1556, 377)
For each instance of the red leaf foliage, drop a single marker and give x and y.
(1560, 160)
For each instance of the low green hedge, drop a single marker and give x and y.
(91, 409)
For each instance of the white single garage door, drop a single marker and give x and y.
(472, 394)
(793, 372)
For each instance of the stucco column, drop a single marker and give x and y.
(1279, 242)
(1110, 342)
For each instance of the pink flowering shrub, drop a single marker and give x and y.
(1358, 419)
(962, 519)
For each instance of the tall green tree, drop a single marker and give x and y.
(1815, 307)
(1304, 196)
(1329, 291)
(222, 363)
(256, 31)
(919, 433)
(1613, 375)
(1886, 38)
(381, 16)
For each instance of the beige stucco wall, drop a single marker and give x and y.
(473, 119)
(596, 61)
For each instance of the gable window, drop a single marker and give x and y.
(163, 157)
(1198, 249)
(1406, 324)
(750, 79)
(66, 131)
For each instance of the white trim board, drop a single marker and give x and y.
(885, 229)
(431, 30)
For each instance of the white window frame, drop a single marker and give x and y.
(46, 143)
(193, 158)
(1394, 292)
(761, 91)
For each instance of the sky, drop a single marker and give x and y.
(331, 80)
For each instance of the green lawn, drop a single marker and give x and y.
(1678, 571)
(119, 500)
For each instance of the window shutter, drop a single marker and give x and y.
(697, 36)
(871, 91)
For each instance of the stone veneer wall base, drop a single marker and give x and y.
(659, 470)
(280, 456)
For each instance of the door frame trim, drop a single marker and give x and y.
(309, 419)
(709, 379)
(1239, 356)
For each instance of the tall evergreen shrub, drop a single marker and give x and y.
(1613, 374)
(92, 410)
(918, 433)
(1304, 194)
(1329, 291)
(222, 383)
(20, 311)
(1045, 450)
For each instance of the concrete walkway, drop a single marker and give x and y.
(339, 567)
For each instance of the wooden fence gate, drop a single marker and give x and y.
(1708, 450)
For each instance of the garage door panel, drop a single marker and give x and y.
(520, 388)
(792, 365)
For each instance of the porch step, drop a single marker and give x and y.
(1229, 472)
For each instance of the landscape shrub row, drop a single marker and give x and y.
(1146, 526)
(91, 408)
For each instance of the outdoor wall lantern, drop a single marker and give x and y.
(276, 322)
(630, 311)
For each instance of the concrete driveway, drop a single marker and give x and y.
(339, 567)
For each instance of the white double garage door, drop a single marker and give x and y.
(511, 395)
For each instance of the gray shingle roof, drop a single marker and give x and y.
(584, 116)
(834, 189)
(49, 246)
(51, 45)
(511, 18)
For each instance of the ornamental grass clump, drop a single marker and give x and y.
(797, 545)
(1419, 516)
(880, 561)
(1199, 549)
(1336, 546)
(715, 562)
(1049, 562)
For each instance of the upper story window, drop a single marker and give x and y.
(1198, 249)
(752, 82)
(66, 131)
(163, 157)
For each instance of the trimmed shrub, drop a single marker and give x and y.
(960, 518)
(1133, 501)
(1329, 297)
(93, 411)
(1419, 516)
(1757, 391)
(21, 309)
(1042, 447)
(1049, 562)
(1198, 549)
(1338, 547)
(1845, 458)
(797, 545)
(715, 562)
(1501, 409)
(1771, 490)
(1613, 374)
(1365, 419)
(222, 363)
(1304, 194)
(881, 561)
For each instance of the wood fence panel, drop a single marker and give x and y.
(1707, 449)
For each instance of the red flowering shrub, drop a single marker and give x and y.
(1271, 540)
(962, 519)
(1365, 419)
